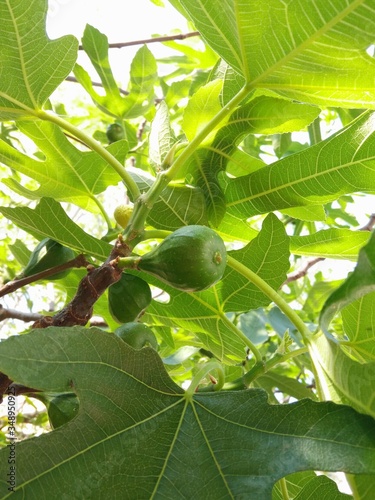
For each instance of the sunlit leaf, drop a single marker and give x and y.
(143, 76)
(344, 163)
(358, 284)
(27, 81)
(66, 173)
(359, 327)
(160, 138)
(330, 243)
(340, 378)
(280, 46)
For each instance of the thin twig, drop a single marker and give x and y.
(12, 286)
(14, 314)
(181, 36)
(94, 84)
(370, 224)
(303, 271)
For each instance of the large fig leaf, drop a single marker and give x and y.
(280, 46)
(32, 66)
(344, 163)
(138, 435)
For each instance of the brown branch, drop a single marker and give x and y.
(303, 271)
(14, 314)
(12, 286)
(181, 36)
(91, 287)
(80, 308)
(370, 224)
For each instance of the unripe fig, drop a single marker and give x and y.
(122, 215)
(128, 298)
(192, 258)
(137, 335)
(115, 133)
(62, 408)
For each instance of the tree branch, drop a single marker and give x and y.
(181, 36)
(91, 287)
(12, 286)
(303, 271)
(370, 224)
(14, 314)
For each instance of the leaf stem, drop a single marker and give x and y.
(103, 212)
(193, 145)
(258, 369)
(95, 146)
(284, 488)
(315, 134)
(272, 295)
(213, 364)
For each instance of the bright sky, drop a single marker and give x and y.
(120, 20)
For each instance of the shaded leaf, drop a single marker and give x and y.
(147, 438)
(177, 205)
(268, 256)
(27, 81)
(321, 487)
(273, 380)
(48, 220)
(294, 483)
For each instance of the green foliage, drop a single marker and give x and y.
(243, 158)
(145, 405)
